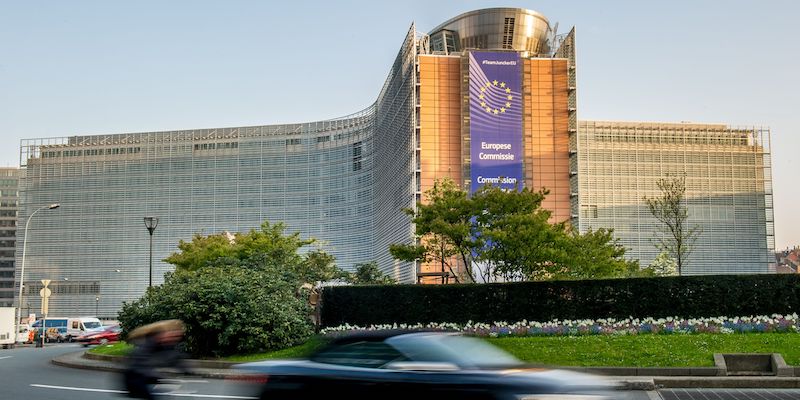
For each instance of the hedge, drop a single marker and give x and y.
(684, 296)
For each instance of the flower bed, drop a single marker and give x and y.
(629, 326)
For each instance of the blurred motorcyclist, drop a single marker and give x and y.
(155, 347)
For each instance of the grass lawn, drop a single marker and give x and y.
(696, 350)
(114, 349)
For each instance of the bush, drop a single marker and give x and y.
(227, 310)
(684, 296)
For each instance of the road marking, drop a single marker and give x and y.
(78, 389)
(206, 396)
(3, 358)
(654, 395)
(183, 381)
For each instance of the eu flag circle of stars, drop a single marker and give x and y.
(488, 107)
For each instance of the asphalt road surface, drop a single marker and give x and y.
(27, 374)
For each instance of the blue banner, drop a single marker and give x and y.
(495, 92)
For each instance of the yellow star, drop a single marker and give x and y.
(481, 96)
(495, 111)
(483, 104)
(483, 89)
(495, 82)
(508, 90)
(508, 105)
(502, 84)
(510, 97)
(502, 109)
(488, 109)
(488, 84)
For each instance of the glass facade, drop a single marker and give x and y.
(9, 182)
(395, 179)
(315, 177)
(728, 189)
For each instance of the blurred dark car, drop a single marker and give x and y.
(418, 365)
(108, 335)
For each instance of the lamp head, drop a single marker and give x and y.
(151, 223)
(54, 206)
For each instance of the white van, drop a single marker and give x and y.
(23, 333)
(81, 326)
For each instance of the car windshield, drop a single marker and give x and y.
(92, 325)
(465, 352)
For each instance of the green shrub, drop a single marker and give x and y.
(227, 310)
(684, 296)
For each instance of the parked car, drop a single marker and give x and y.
(58, 334)
(109, 335)
(417, 365)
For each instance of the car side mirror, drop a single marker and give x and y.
(422, 366)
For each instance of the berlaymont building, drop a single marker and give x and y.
(486, 97)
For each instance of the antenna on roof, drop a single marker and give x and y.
(553, 39)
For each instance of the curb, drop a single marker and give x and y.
(84, 360)
(192, 363)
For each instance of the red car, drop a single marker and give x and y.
(109, 335)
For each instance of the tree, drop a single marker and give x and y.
(443, 228)
(264, 248)
(664, 265)
(506, 235)
(676, 237)
(369, 274)
(238, 294)
(594, 255)
(513, 238)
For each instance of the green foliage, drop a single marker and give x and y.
(514, 240)
(369, 274)
(114, 349)
(507, 236)
(238, 293)
(657, 297)
(227, 310)
(592, 255)
(444, 228)
(304, 350)
(200, 251)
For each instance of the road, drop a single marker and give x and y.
(26, 373)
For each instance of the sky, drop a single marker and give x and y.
(96, 67)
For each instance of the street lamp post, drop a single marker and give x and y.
(151, 223)
(22, 268)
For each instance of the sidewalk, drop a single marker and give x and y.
(669, 378)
